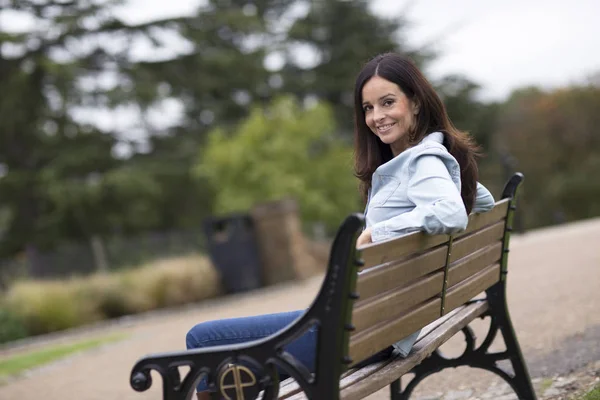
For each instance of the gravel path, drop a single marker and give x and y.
(553, 281)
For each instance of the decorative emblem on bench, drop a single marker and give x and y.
(237, 382)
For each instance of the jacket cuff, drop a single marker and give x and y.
(379, 232)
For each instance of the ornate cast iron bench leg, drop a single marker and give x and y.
(480, 357)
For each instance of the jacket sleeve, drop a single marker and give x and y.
(484, 201)
(438, 205)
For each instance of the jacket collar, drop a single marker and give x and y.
(437, 137)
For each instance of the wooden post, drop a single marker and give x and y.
(99, 254)
(284, 252)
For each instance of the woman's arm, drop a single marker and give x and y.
(438, 205)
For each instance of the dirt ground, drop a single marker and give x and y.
(553, 285)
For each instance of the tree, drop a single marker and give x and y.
(551, 135)
(61, 178)
(338, 37)
(222, 73)
(467, 113)
(216, 81)
(279, 151)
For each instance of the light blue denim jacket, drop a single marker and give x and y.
(419, 190)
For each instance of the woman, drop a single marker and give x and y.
(417, 172)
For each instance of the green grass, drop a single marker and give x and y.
(546, 383)
(21, 362)
(593, 395)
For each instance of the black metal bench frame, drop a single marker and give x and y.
(243, 371)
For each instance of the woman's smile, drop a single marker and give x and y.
(385, 128)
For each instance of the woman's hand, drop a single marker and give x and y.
(364, 238)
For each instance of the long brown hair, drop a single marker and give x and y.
(370, 152)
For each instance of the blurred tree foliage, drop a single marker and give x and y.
(60, 179)
(327, 47)
(466, 111)
(279, 151)
(48, 157)
(552, 136)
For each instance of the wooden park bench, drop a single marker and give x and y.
(370, 298)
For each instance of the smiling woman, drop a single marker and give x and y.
(402, 129)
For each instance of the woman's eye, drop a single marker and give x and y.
(366, 108)
(388, 102)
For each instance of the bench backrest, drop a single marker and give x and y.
(408, 282)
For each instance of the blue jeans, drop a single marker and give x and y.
(240, 330)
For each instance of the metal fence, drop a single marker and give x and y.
(97, 254)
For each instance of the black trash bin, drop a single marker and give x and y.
(233, 249)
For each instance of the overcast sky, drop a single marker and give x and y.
(502, 44)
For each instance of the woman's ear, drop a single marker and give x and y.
(416, 107)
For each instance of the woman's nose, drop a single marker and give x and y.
(378, 115)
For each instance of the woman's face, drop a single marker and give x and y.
(388, 112)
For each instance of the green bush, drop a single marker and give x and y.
(47, 306)
(174, 282)
(11, 326)
(112, 297)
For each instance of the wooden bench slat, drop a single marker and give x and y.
(390, 250)
(470, 265)
(298, 396)
(389, 305)
(385, 334)
(459, 294)
(356, 387)
(467, 245)
(288, 388)
(373, 281)
(478, 221)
